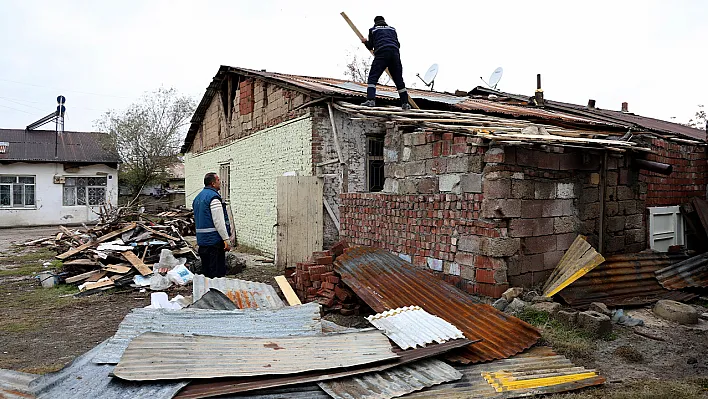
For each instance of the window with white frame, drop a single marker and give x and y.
(84, 191)
(17, 191)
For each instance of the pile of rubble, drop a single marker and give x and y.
(316, 281)
(124, 248)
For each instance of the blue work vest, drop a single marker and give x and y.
(206, 231)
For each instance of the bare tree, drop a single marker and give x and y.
(148, 135)
(357, 70)
(700, 119)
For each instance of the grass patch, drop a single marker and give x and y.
(51, 368)
(19, 326)
(650, 389)
(45, 298)
(26, 264)
(245, 249)
(576, 344)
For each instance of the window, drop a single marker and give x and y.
(84, 191)
(225, 176)
(17, 191)
(375, 163)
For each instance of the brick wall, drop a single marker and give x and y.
(255, 162)
(255, 105)
(689, 177)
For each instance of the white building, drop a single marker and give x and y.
(50, 179)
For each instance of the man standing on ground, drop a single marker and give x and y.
(383, 40)
(213, 229)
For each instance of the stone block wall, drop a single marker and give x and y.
(689, 177)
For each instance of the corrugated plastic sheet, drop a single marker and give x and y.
(412, 326)
(156, 356)
(206, 389)
(214, 300)
(293, 320)
(384, 281)
(624, 280)
(85, 379)
(540, 369)
(245, 294)
(15, 385)
(392, 383)
(692, 272)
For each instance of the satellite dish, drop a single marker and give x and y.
(429, 78)
(496, 77)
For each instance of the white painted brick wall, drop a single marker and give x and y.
(256, 161)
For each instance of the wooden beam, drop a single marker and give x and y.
(159, 233)
(137, 263)
(101, 239)
(362, 38)
(290, 295)
(102, 284)
(330, 211)
(79, 277)
(120, 269)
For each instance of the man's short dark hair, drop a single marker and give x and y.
(209, 178)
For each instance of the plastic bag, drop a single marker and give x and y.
(168, 260)
(180, 275)
(158, 282)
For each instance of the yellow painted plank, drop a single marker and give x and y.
(578, 260)
(502, 381)
(290, 295)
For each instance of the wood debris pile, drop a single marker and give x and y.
(123, 244)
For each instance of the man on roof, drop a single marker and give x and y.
(383, 41)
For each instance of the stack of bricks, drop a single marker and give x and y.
(316, 281)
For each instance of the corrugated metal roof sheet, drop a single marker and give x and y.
(214, 300)
(385, 281)
(85, 379)
(15, 385)
(156, 356)
(293, 320)
(542, 370)
(245, 294)
(392, 383)
(301, 391)
(38, 146)
(691, 272)
(205, 389)
(412, 326)
(624, 280)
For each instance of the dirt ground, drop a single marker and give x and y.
(43, 329)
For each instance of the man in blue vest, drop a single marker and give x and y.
(213, 229)
(383, 41)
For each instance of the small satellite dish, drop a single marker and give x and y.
(429, 78)
(496, 77)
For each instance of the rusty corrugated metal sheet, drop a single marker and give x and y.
(208, 389)
(412, 326)
(385, 281)
(691, 272)
(624, 280)
(156, 356)
(392, 383)
(15, 385)
(245, 294)
(542, 370)
(291, 320)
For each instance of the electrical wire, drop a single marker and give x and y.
(66, 90)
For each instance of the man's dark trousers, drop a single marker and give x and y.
(213, 260)
(387, 57)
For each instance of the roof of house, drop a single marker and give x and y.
(39, 146)
(559, 113)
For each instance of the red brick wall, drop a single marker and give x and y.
(689, 177)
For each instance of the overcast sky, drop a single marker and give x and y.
(103, 55)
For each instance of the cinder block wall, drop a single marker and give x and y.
(486, 217)
(255, 163)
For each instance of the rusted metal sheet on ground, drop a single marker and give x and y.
(537, 371)
(245, 294)
(15, 385)
(291, 320)
(385, 281)
(412, 326)
(84, 379)
(576, 262)
(207, 389)
(156, 356)
(624, 280)
(392, 383)
(692, 272)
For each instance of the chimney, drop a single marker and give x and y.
(539, 91)
(591, 103)
(625, 107)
